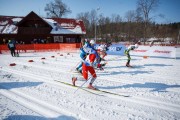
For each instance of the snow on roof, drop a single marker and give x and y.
(2, 23)
(64, 27)
(16, 19)
(11, 29)
(7, 27)
(59, 25)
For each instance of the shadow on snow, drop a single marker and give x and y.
(159, 87)
(157, 65)
(127, 72)
(29, 117)
(10, 85)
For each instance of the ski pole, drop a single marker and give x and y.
(75, 65)
(80, 87)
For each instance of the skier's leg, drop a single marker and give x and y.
(92, 71)
(85, 71)
(14, 52)
(128, 62)
(92, 80)
(79, 66)
(11, 52)
(74, 79)
(83, 56)
(85, 74)
(80, 69)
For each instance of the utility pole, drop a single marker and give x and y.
(178, 37)
(95, 23)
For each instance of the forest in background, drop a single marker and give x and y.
(136, 25)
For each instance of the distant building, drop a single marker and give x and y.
(34, 29)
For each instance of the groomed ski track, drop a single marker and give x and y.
(48, 76)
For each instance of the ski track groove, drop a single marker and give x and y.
(112, 78)
(38, 106)
(131, 111)
(146, 102)
(124, 111)
(61, 63)
(58, 62)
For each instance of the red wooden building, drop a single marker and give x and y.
(34, 29)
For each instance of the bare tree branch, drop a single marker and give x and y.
(57, 9)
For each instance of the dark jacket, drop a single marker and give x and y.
(11, 45)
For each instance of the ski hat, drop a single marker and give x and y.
(92, 42)
(136, 45)
(85, 39)
(132, 47)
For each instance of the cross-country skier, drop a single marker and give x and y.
(131, 47)
(88, 67)
(84, 51)
(89, 45)
(105, 48)
(102, 51)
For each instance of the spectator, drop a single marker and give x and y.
(12, 47)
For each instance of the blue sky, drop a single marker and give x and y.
(169, 8)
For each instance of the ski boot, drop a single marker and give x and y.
(91, 87)
(74, 79)
(127, 65)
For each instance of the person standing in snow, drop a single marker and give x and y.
(126, 52)
(88, 67)
(12, 47)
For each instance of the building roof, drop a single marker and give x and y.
(9, 25)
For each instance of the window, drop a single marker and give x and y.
(70, 40)
(58, 39)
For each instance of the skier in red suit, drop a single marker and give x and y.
(88, 67)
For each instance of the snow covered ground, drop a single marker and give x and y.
(31, 91)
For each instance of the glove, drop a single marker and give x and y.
(100, 67)
(103, 64)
